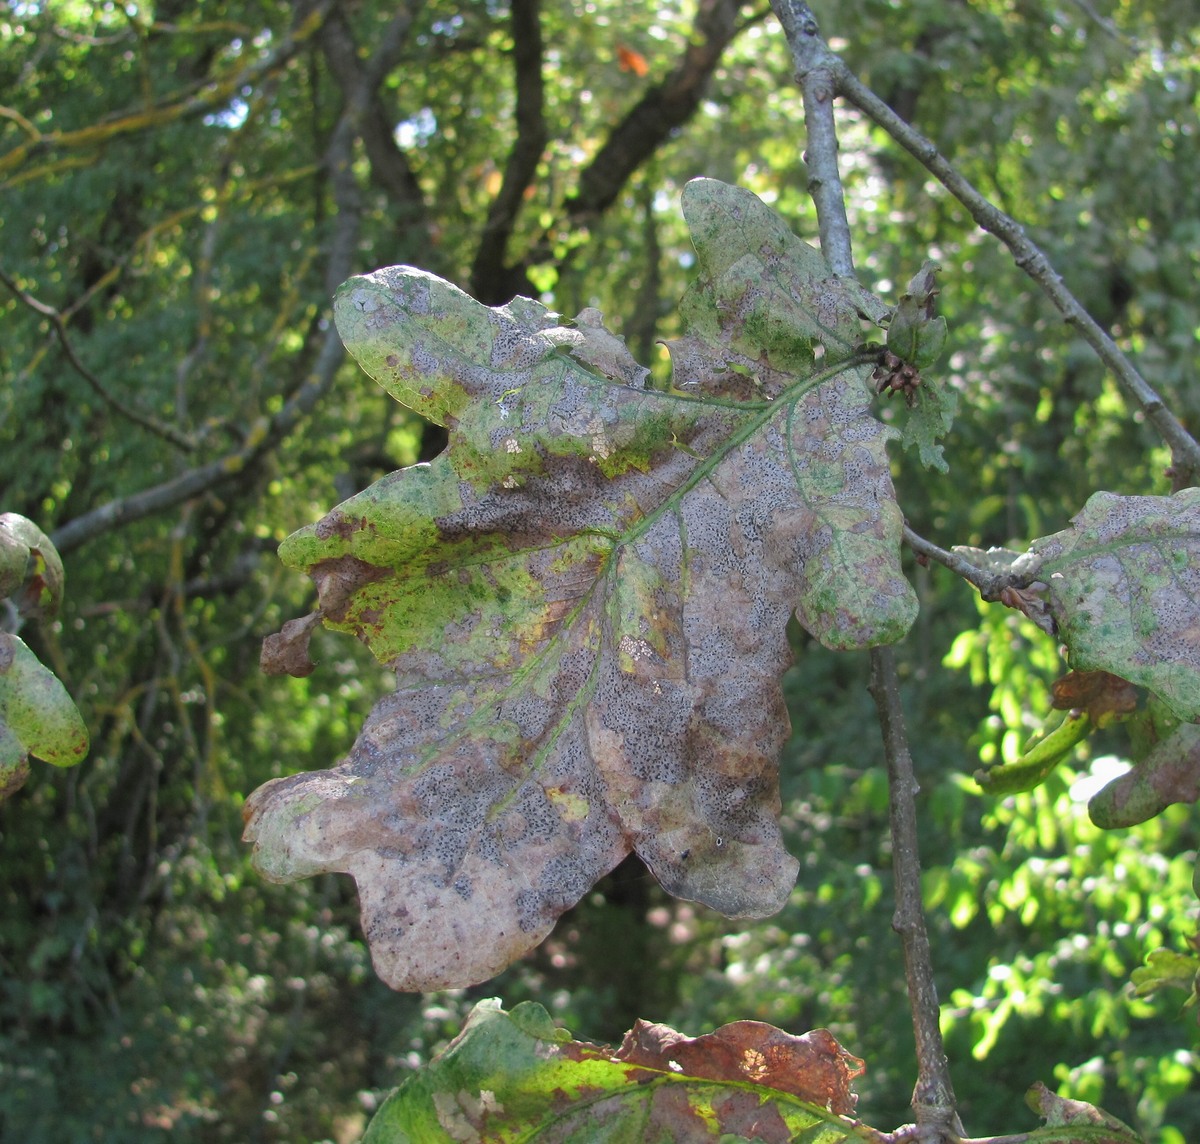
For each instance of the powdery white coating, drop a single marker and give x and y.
(1124, 590)
(585, 600)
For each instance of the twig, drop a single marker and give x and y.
(488, 271)
(815, 69)
(990, 583)
(212, 92)
(266, 433)
(933, 1096)
(1107, 26)
(662, 109)
(390, 169)
(1185, 451)
(58, 323)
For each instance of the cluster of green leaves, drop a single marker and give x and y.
(189, 256)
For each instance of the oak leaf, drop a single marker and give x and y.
(585, 597)
(1123, 587)
(511, 1076)
(1165, 753)
(812, 1067)
(37, 715)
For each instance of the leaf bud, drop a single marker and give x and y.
(914, 334)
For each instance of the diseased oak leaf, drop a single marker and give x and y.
(813, 1067)
(1123, 586)
(515, 1076)
(1166, 770)
(37, 715)
(31, 571)
(766, 306)
(584, 599)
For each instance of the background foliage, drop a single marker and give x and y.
(184, 185)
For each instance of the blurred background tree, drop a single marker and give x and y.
(183, 185)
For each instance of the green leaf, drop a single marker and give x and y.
(585, 601)
(31, 572)
(37, 716)
(514, 1076)
(1123, 585)
(1039, 758)
(927, 421)
(914, 334)
(1166, 773)
(1165, 968)
(915, 339)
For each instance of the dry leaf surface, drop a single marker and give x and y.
(813, 1067)
(1124, 590)
(516, 1077)
(584, 598)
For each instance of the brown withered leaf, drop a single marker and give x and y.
(813, 1067)
(286, 652)
(1100, 693)
(517, 1076)
(585, 599)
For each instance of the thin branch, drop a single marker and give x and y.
(213, 92)
(933, 1096)
(11, 113)
(663, 108)
(755, 17)
(642, 332)
(146, 420)
(266, 433)
(815, 69)
(1107, 26)
(390, 169)
(990, 583)
(489, 279)
(1015, 1138)
(916, 1134)
(650, 123)
(263, 436)
(1185, 451)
